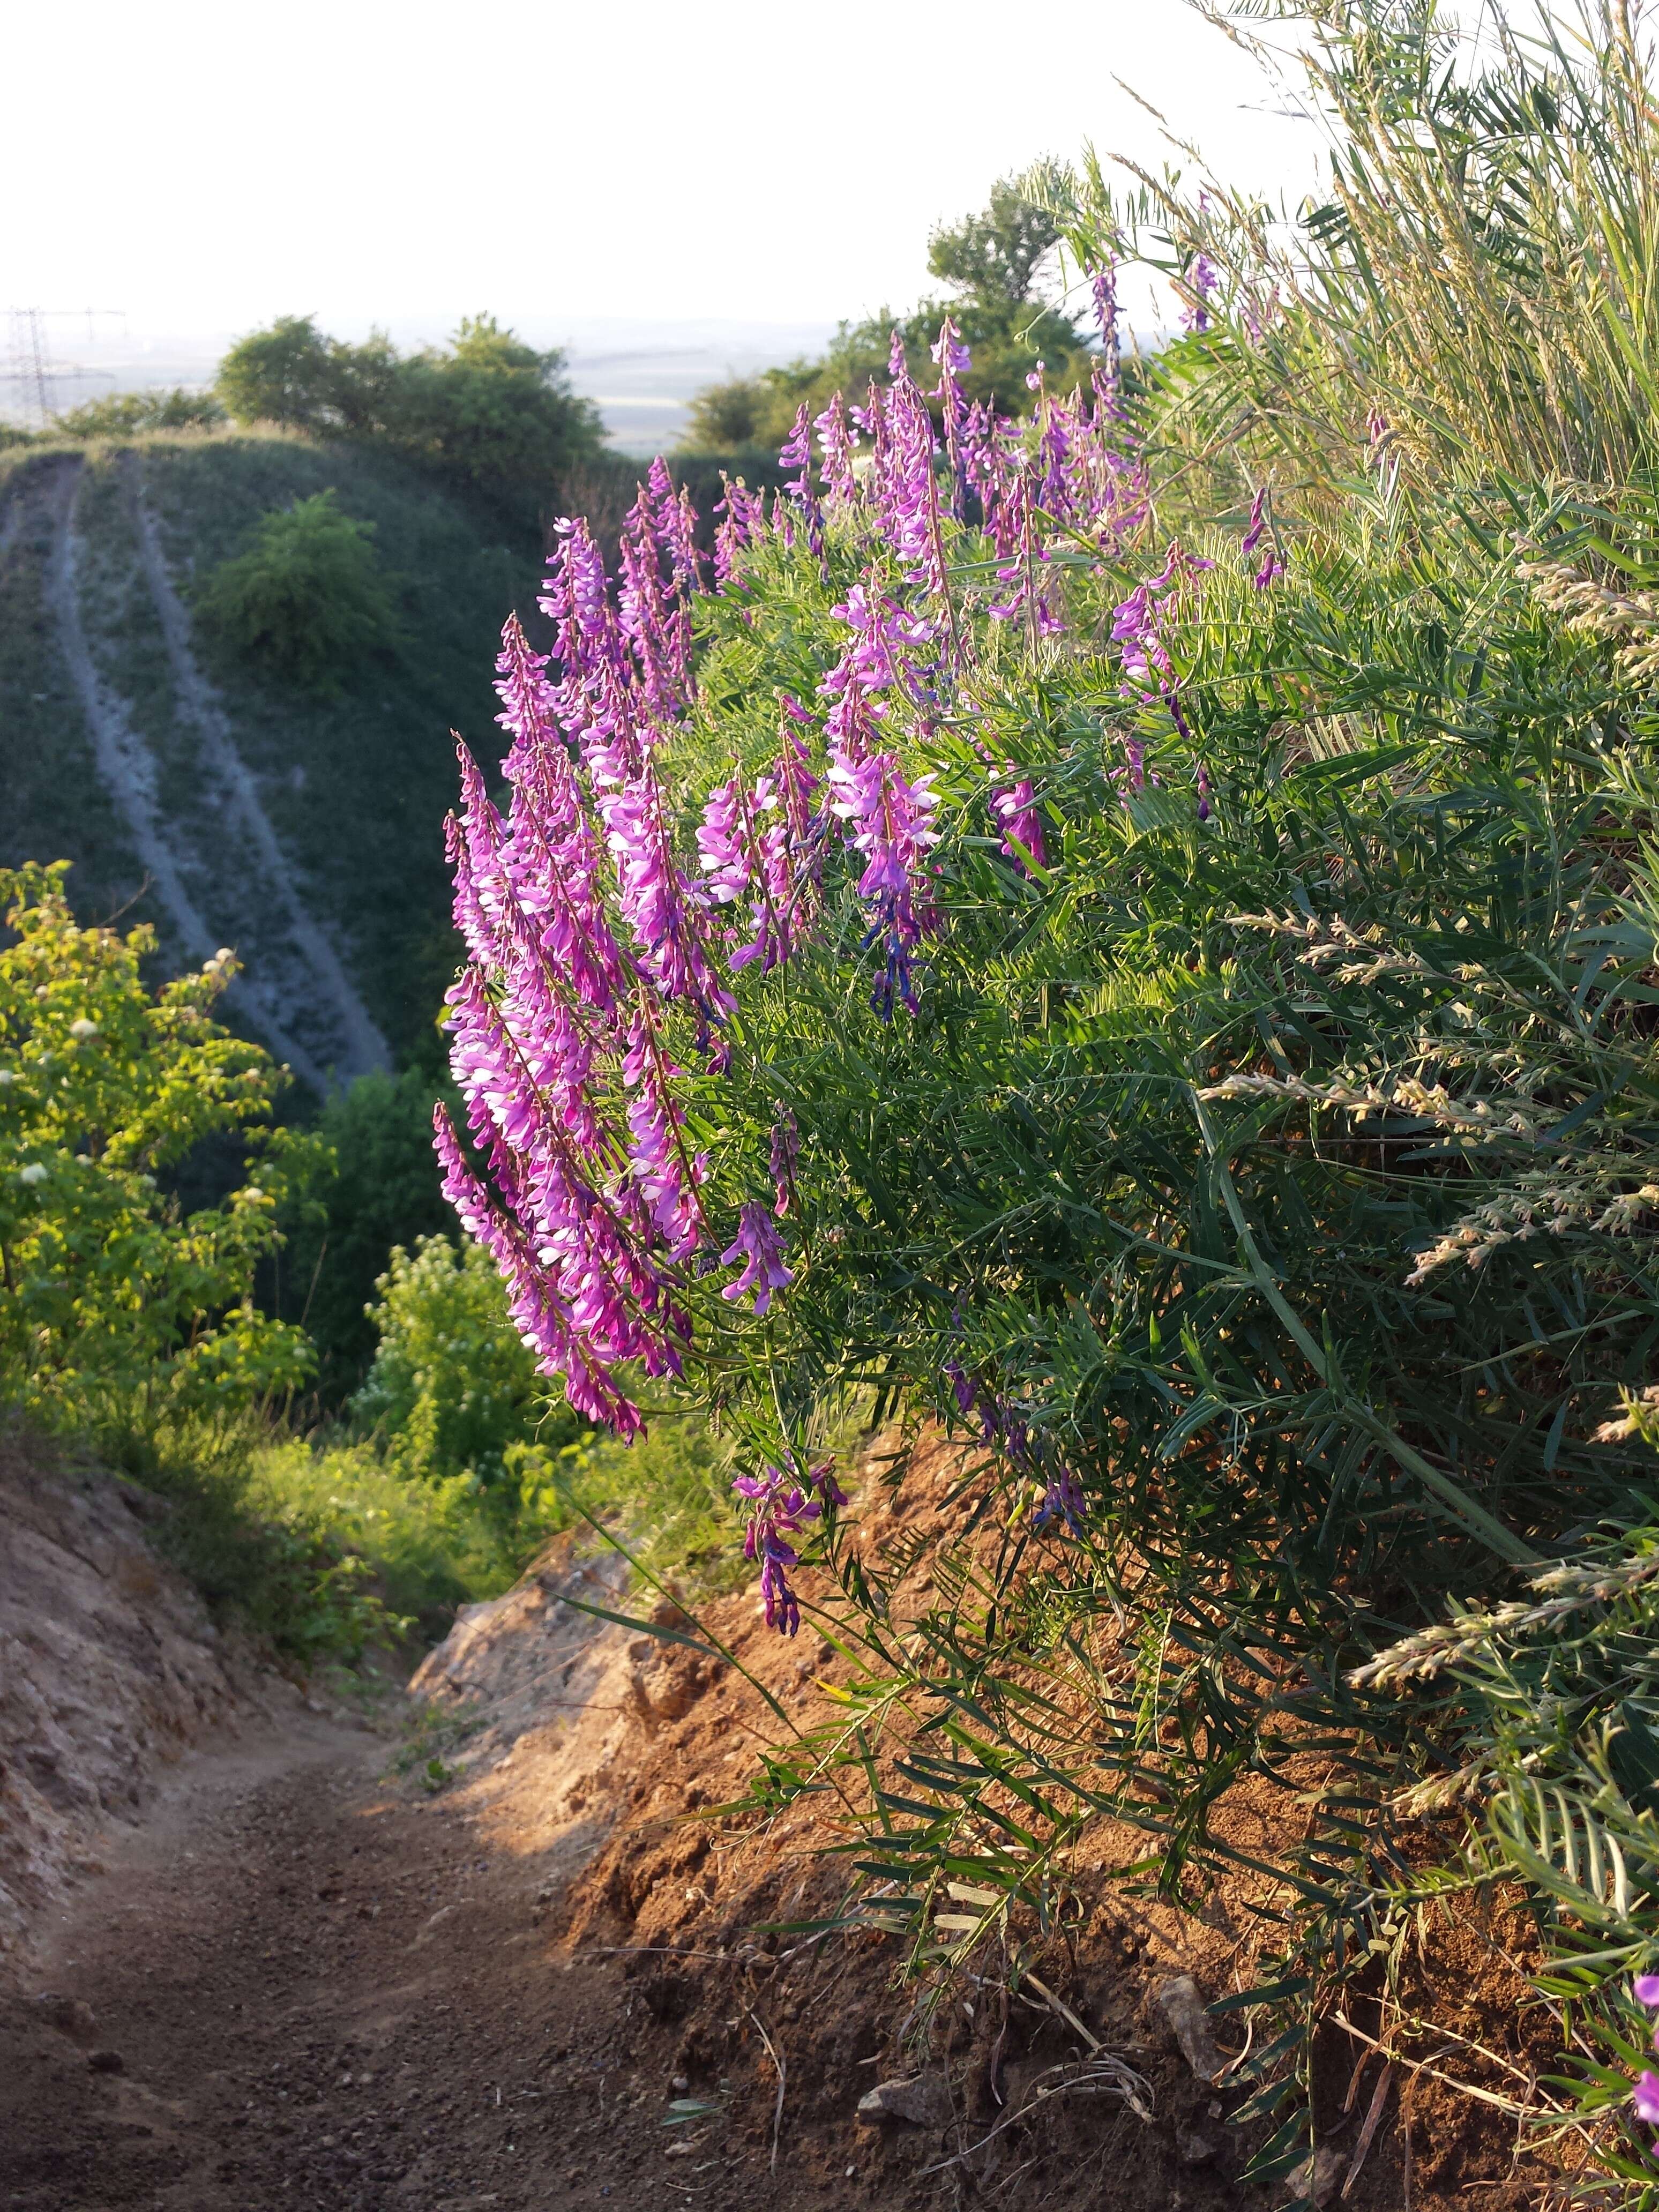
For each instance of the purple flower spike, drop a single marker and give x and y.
(782, 1607)
(786, 1149)
(780, 1503)
(742, 520)
(1026, 599)
(1103, 284)
(1020, 819)
(953, 357)
(797, 454)
(836, 442)
(822, 1479)
(954, 364)
(1202, 279)
(1272, 566)
(906, 495)
(759, 1246)
(960, 1389)
(1063, 1500)
(1645, 1991)
(888, 823)
(1645, 2098)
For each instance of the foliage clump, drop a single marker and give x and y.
(308, 599)
(381, 1190)
(115, 1297)
(1138, 934)
(454, 1388)
(991, 263)
(487, 413)
(125, 414)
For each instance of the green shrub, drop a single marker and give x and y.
(1260, 1160)
(384, 1190)
(118, 1304)
(990, 260)
(125, 413)
(291, 374)
(428, 1545)
(453, 1386)
(487, 412)
(667, 1496)
(268, 1563)
(308, 600)
(455, 1402)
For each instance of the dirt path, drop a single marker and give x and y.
(128, 769)
(363, 1047)
(296, 1987)
(302, 1985)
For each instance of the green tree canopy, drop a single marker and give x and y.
(123, 413)
(453, 1387)
(990, 261)
(112, 1292)
(487, 411)
(385, 1190)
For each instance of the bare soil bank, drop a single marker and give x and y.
(299, 1983)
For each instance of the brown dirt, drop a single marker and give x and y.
(325, 1990)
(110, 1672)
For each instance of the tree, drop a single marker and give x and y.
(492, 411)
(992, 258)
(125, 412)
(453, 1387)
(991, 261)
(384, 1191)
(487, 412)
(284, 375)
(726, 417)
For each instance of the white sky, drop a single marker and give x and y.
(205, 167)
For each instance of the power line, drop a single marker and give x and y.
(34, 373)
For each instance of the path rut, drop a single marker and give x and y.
(295, 992)
(363, 1049)
(128, 769)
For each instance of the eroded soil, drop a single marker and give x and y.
(303, 1980)
(298, 1986)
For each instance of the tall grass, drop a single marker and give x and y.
(1476, 294)
(324, 1545)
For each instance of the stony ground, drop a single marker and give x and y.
(296, 1986)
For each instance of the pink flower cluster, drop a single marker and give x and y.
(602, 952)
(1645, 2098)
(781, 1502)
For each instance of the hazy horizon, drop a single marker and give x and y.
(736, 167)
(640, 373)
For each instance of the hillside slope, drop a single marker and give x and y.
(224, 806)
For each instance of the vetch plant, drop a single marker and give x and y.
(1129, 936)
(602, 966)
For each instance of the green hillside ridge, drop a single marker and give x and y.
(353, 785)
